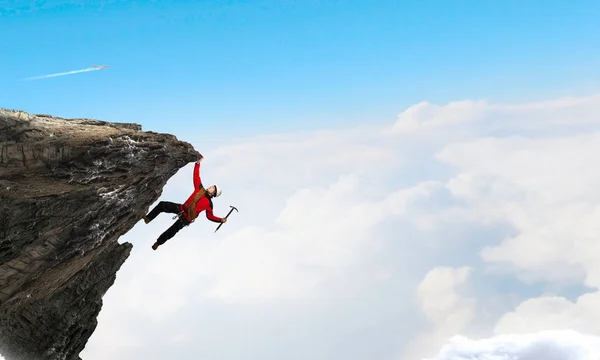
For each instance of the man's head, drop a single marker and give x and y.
(214, 191)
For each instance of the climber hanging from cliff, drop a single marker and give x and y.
(200, 200)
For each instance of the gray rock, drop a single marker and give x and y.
(69, 188)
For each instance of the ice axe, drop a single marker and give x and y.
(226, 216)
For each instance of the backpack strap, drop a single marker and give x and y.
(191, 210)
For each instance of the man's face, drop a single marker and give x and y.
(211, 190)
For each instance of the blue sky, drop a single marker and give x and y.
(237, 68)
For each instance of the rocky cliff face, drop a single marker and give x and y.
(68, 190)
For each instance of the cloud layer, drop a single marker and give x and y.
(547, 345)
(375, 242)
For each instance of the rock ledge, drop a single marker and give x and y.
(69, 188)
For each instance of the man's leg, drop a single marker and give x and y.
(163, 206)
(170, 232)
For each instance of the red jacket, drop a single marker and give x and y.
(204, 204)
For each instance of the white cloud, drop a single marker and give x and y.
(299, 159)
(545, 189)
(553, 312)
(550, 345)
(424, 115)
(439, 295)
(567, 111)
(443, 300)
(111, 343)
(319, 233)
(336, 230)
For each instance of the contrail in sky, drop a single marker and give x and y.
(64, 73)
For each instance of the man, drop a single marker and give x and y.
(200, 200)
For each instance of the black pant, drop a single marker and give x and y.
(172, 208)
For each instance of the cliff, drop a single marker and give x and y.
(69, 188)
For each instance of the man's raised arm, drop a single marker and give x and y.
(197, 180)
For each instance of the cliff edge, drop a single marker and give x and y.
(69, 188)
